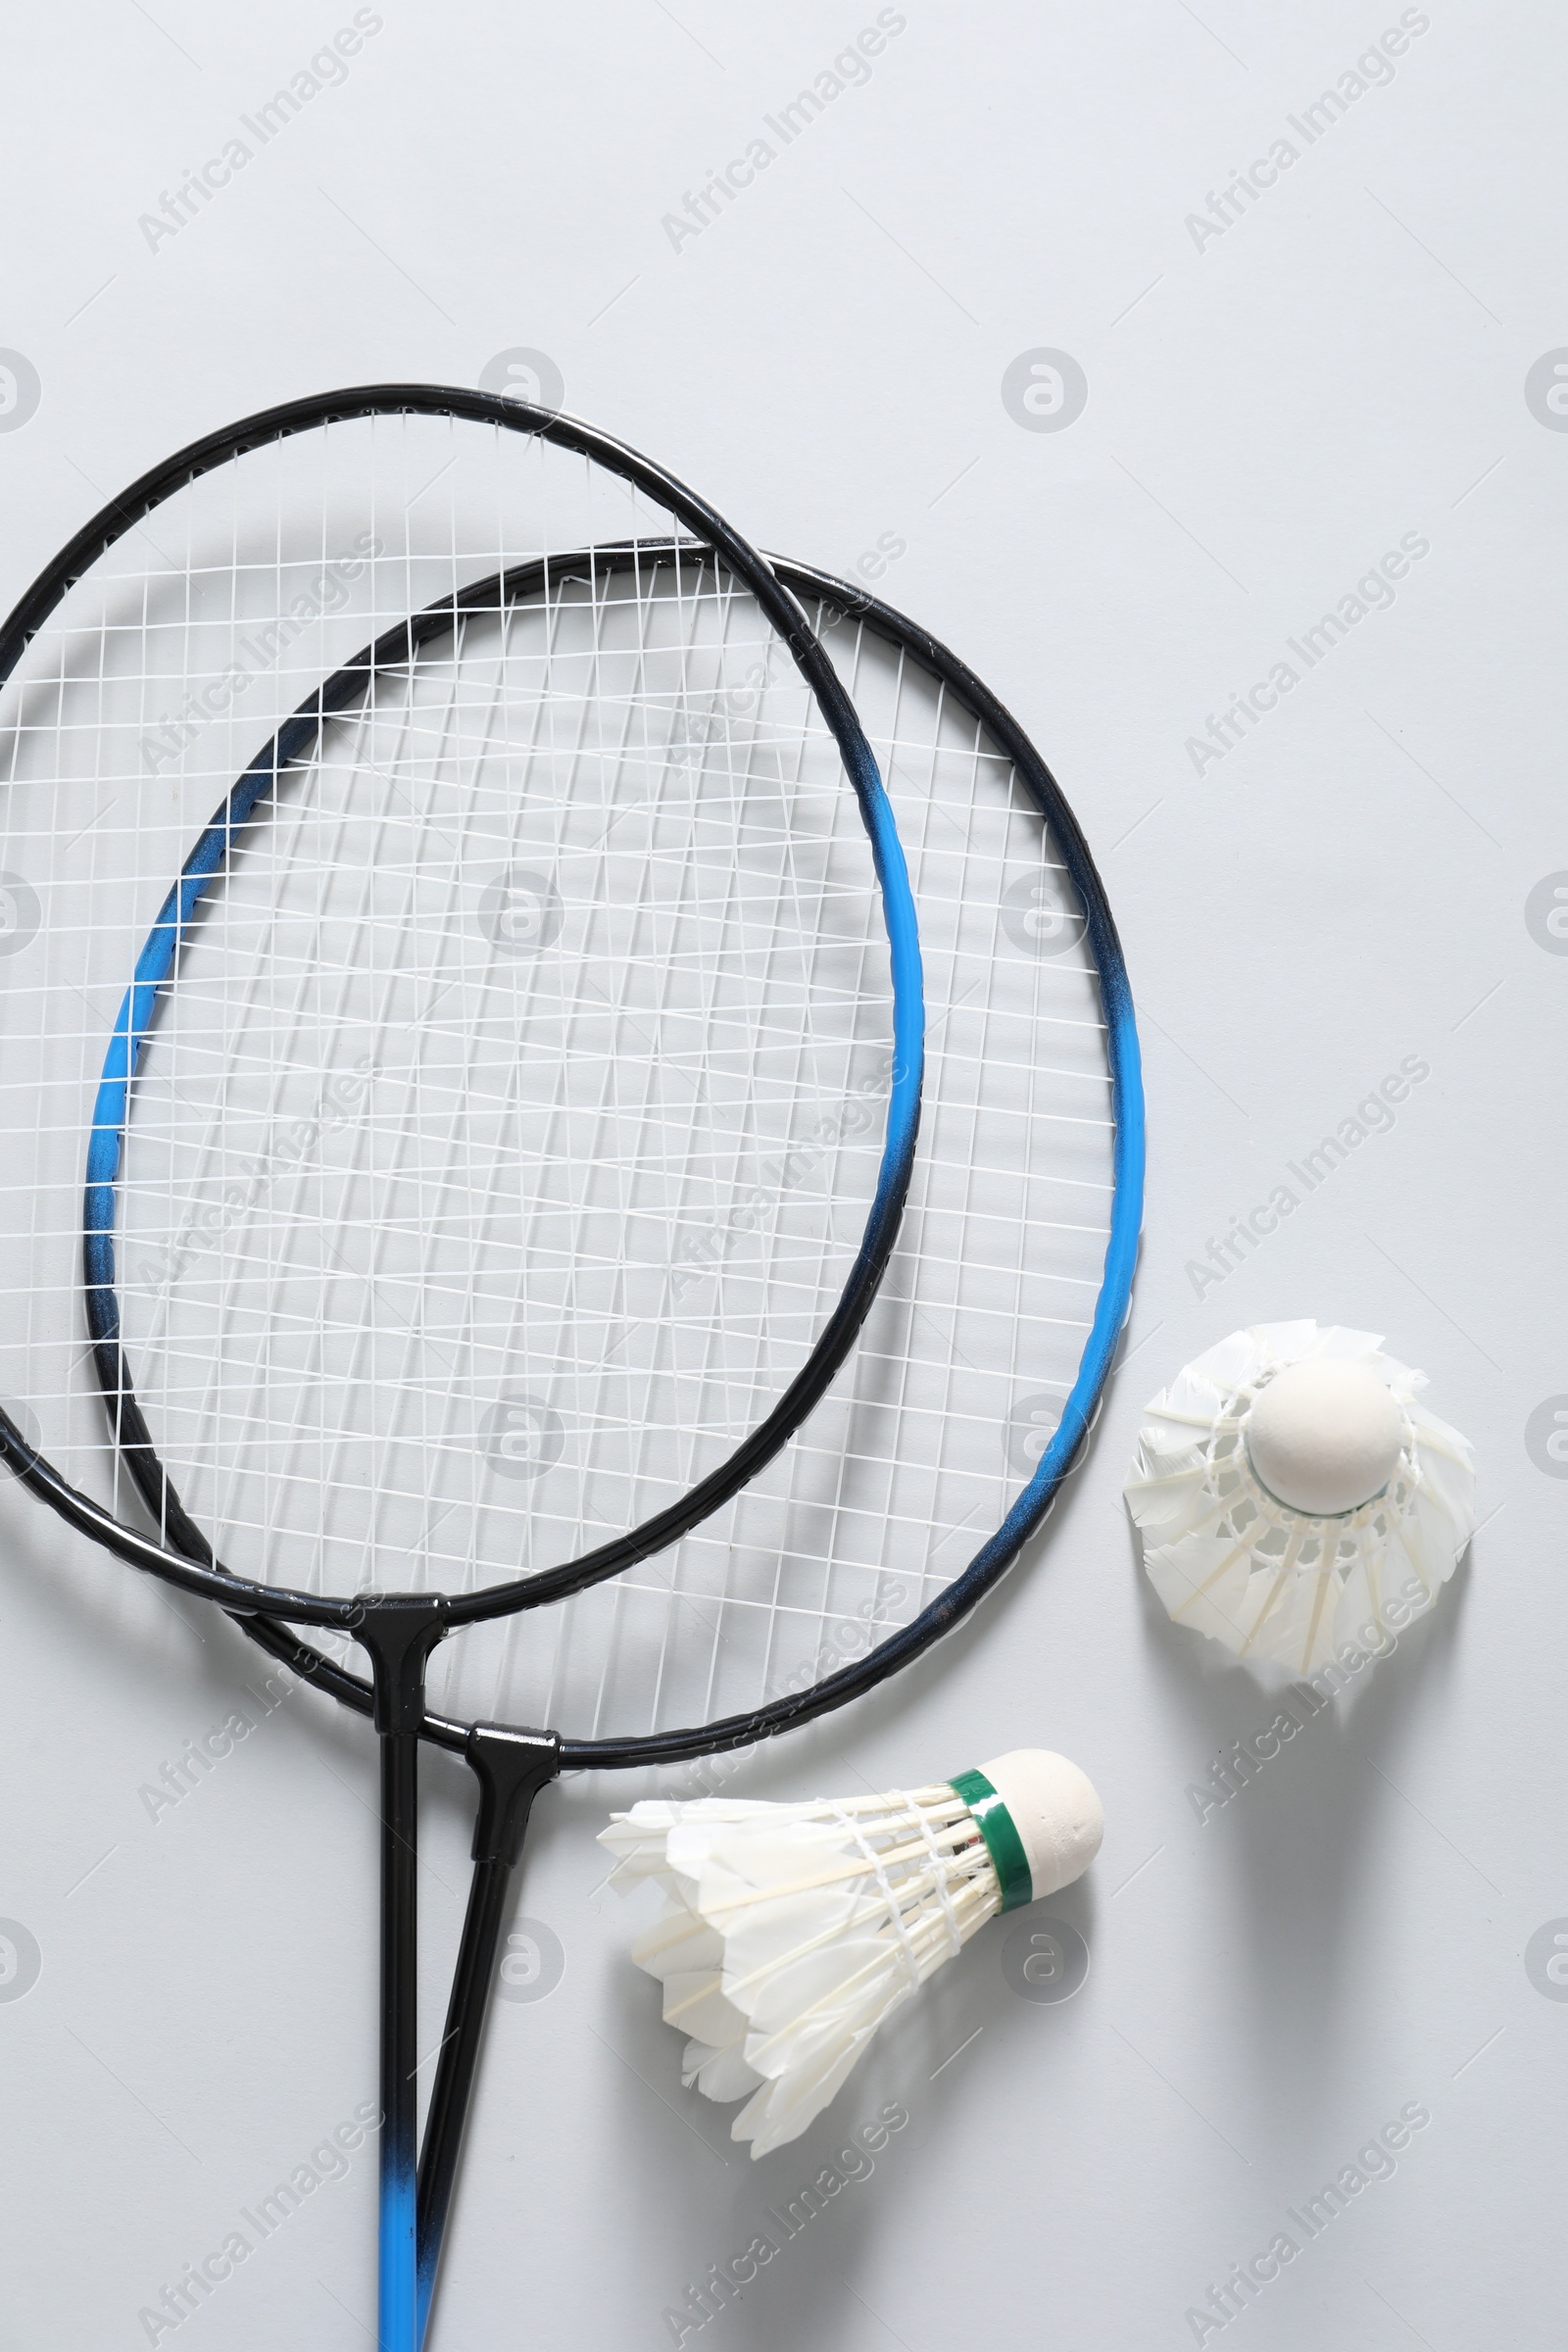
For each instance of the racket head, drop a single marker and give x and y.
(591, 1007)
(941, 1444)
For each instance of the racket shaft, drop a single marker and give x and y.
(467, 2014)
(510, 1766)
(398, 2329)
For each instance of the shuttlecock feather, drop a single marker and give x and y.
(1295, 1496)
(789, 1933)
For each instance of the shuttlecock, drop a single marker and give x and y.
(789, 1932)
(1294, 1496)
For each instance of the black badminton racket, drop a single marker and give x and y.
(539, 929)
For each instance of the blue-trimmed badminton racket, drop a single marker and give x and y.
(530, 940)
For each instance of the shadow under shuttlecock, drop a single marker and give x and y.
(775, 2249)
(767, 2249)
(1306, 1833)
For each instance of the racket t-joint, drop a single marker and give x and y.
(398, 1631)
(510, 1768)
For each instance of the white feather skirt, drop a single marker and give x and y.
(1231, 1561)
(789, 1932)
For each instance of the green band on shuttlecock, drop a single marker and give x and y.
(1001, 1834)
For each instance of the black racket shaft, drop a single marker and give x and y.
(511, 1767)
(398, 1633)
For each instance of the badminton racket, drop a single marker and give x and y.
(540, 927)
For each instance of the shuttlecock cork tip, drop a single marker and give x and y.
(1055, 1810)
(1325, 1436)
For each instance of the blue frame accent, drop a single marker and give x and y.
(401, 2307)
(1115, 1296)
(138, 1009)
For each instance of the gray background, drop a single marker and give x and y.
(1269, 409)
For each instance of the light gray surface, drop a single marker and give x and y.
(1267, 414)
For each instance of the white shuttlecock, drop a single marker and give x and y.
(1294, 1496)
(789, 1931)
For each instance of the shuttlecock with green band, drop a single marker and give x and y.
(789, 1932)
